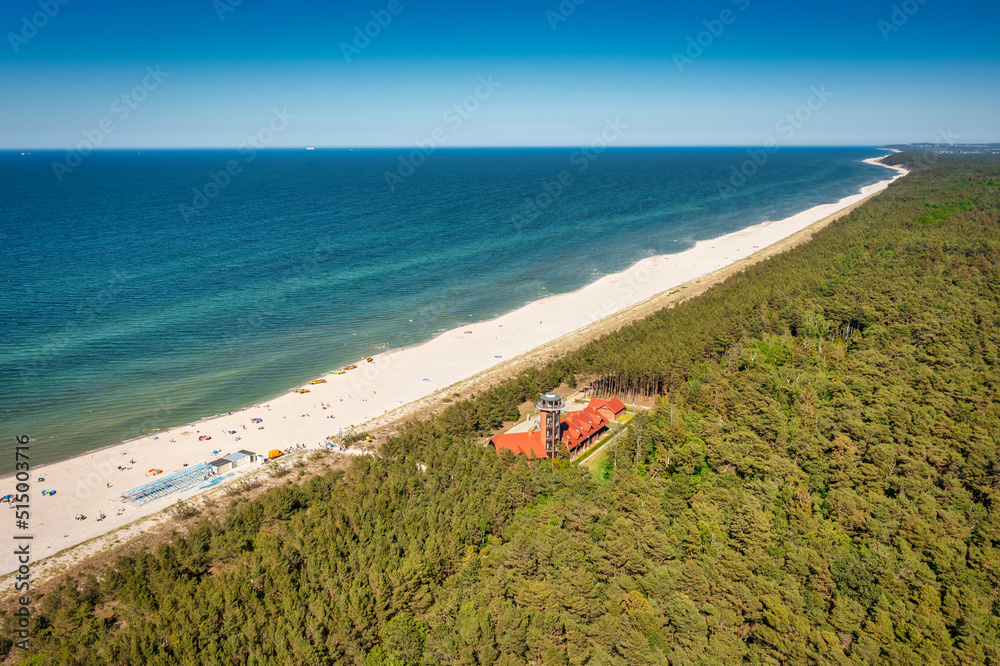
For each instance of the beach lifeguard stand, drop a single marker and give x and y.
(550, 407)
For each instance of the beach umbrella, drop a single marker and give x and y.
(48, 492)
(154, 472)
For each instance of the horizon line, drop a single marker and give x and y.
(482, 147)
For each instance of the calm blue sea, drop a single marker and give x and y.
(144, 290)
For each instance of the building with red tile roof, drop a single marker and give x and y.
(577, 431)
(611, 409)
(530, 444)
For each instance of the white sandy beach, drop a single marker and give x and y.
(393, 380)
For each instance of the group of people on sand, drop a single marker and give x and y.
(123, 468)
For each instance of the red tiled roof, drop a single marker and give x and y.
(578, 426)
(615, 405)
(528, 443)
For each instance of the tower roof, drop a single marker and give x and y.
(550, 402)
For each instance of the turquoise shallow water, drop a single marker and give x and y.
(126, 309)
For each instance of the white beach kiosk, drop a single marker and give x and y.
(232, 461)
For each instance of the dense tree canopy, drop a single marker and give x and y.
(814, 485)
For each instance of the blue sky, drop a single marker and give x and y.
(889, 72)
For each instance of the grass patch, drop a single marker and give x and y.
(596, 464)
(183, 510)
(242, 486)
(355, 437)
(277, 470)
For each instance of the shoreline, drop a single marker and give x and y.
(411, 378)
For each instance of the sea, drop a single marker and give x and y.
(142, 290)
